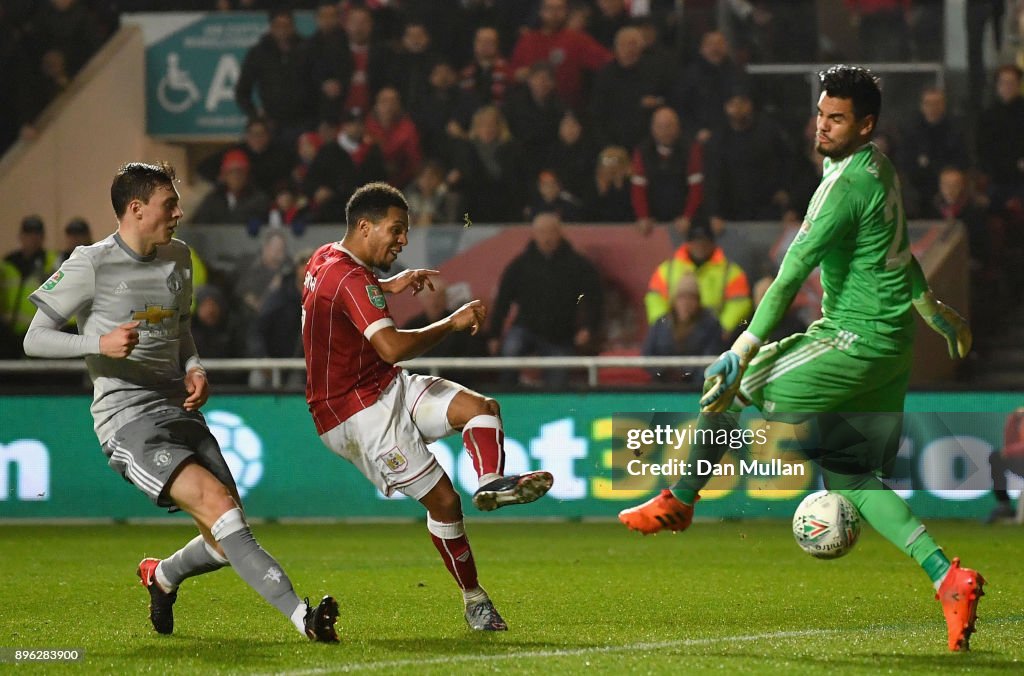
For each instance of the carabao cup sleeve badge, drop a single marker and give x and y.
(376, 296)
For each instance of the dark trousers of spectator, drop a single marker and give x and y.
(520, 341)
(1000, 465)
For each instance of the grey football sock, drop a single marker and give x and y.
(253, 564)
(195, 558)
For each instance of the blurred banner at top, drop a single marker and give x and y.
(193, 61)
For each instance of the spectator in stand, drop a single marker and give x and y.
(76, 233)
(270, 161)
(369, 60)
(437, 304)
(396, 135)
(955, 201)
(625, 93)
(67, 26)
(306, 148)
(573, 155)
(275, 70)
(488, 75)
(657, 57)
(411, 64)
(699, 95)
(668, 176)
(329, 60)
(255, 281)
(447, 109)
(289, 210)
(930, 141)
(214, 333)
(548, 197)
(277, 327)
(558, 296)
(23, 271)
(570, 52)
(430, 200)
(883, 32)
(489, 169)
(608, 198)
(688, 328)
(1010, 458)
(534, 113)
(41, 87)
(724, 288)
(343, 163)
(604, 24)
(1001, 146)
(234, 200)
(748, 165)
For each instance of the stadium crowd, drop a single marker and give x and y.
(608, 111)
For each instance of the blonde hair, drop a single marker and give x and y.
(503, 132)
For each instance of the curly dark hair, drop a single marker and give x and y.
(372, 201)
(856, 83)
(138, 180)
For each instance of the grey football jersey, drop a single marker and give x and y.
(107, 284)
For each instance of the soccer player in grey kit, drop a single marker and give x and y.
(131, 293)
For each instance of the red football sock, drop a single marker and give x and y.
(453, 546)
(485, 442)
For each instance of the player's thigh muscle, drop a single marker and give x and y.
(427, 399)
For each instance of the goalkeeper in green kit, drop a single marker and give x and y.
(856, 358)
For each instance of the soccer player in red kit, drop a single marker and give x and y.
(380, 417)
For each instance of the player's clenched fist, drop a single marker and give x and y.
(120, 342)
(470, 316)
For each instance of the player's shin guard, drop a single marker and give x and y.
(254, 565)
(890, 515)
(709, 426)
(484, 440)
(195, 558)
(453, 546)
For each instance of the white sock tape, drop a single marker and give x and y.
(446, 531)
(229, 522)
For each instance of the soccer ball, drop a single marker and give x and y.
(826, 525)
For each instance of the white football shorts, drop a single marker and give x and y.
(387, 442)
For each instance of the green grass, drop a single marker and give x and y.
(730, 597)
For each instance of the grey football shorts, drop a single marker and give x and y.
(148, 452)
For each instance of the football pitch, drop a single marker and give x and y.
(734, 597)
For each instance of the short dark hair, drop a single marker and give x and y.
(856, 83)
(372, 202)
(138, 180)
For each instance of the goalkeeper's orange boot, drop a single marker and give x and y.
(959, 594)
(662, 511)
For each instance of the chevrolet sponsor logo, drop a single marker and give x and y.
(154, 314)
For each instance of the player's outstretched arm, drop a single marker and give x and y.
(417, 279)
(395, 345)
(941, 318)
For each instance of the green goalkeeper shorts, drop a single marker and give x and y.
(804, 374)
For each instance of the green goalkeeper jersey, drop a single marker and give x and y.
(855, 228)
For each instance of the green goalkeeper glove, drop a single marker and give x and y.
(946, 322)
(722, 378)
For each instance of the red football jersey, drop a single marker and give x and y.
(342, 307)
